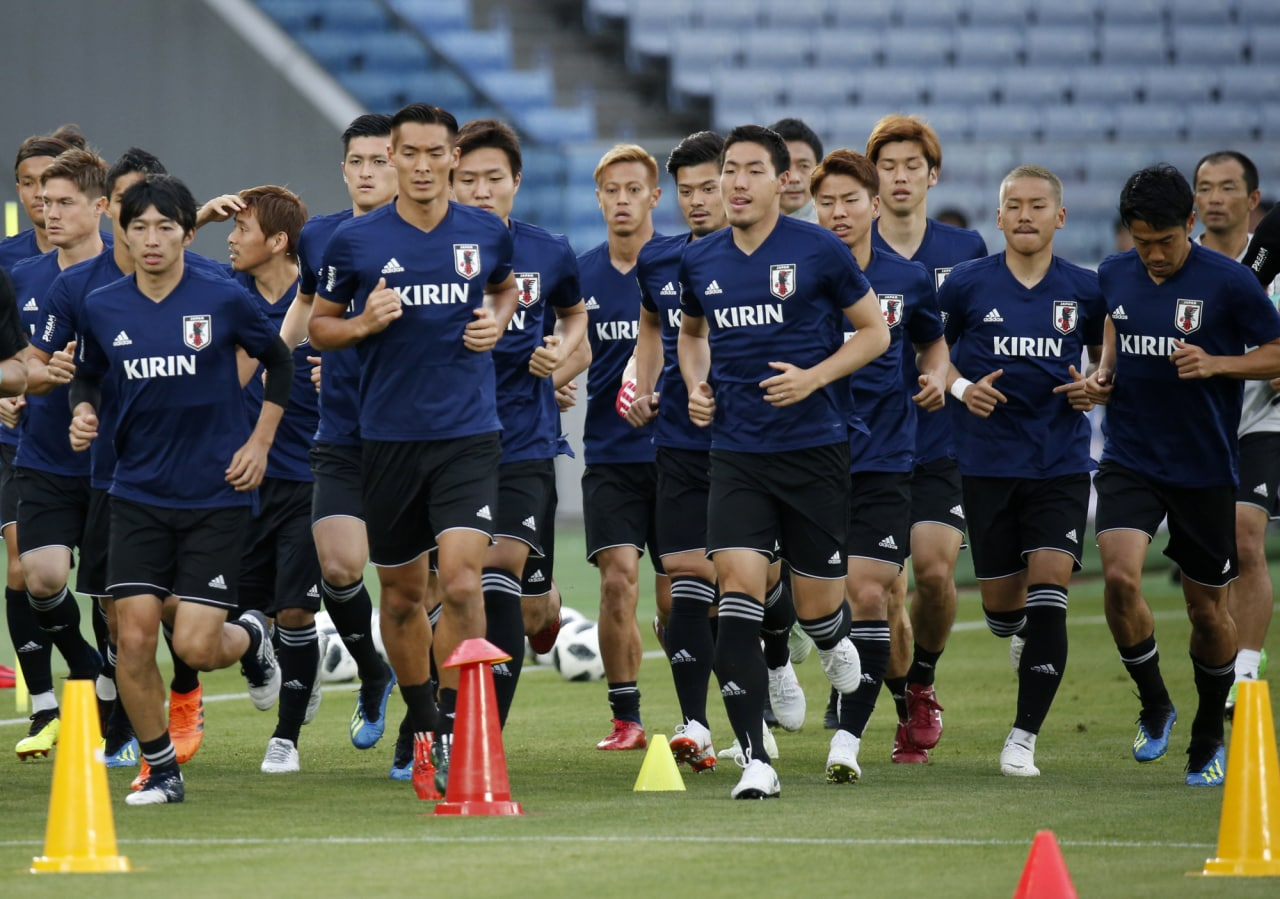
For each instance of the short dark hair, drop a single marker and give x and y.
(167, 194)
(133, 161)
(765, 137)
(1250, 170)
(850, 164)
(424, 114)
(371, 124)
(39, 145)
(796, 130)
(490, 133)
(1159, 196)
(83, 168)
(696, 149)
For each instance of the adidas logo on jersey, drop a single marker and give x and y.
(483, 512)
(957, 511)
(122, 339)
(537, 577)
(713, 288)
(835, 558)
(682, 656)
(530, 523)
(313, 593)
(1046, 668)
(732, 689)
(592, 304)
(294, 684)
(1071, 535)
(1261, 490)
(32, 306)
(993, 316)
(218, 582)
(888, 543)
(392, 267)
(1120, 315)
(668, 290)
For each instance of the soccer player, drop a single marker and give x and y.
(805, 148)
(1226, 190)
(488, 177)
(163, 342)
(762, 307)
(34, 155)
(420, 272)
(1020, 322)
(846, 187)
(908, 155)
(1180, 319)
(618, 486)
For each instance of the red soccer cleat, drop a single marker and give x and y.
(904, 751)
(7, 677)
(924, 716)
(424, 771)
(544, 640)
(625, 735)
(186, 722)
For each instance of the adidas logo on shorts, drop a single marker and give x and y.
(668, 290)
(1046, 668)
(537, 577)
(218, 582)
(592, 304)
(957, 511)
(122, 339)
(888, 543)
(530, 523)
(501, 670)
(732, 689)
(993, 316)
(313, 593)
(392, 267)
(483, 512)
(1261, 490)
(713, 288)
(1071, 535)
(1226, 566)
(1120, 315)
(32, 306)
(835, 558)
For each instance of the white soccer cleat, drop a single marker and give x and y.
(1016, 644)
(692, 746)
(260, 669)
(1018, 758)
(787, 697)
(842, 759)
(758, 781)
(842, 665)
(767, 741)
(281, 757)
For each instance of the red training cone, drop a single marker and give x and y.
(478, 767)
(1045, 875)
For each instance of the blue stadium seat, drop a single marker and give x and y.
(817, 86)
(770, 48)
(977, 201)
(725, 116)
(650, 34)
(1105, 84)
(913, 14)
(989, 47)
(947, 86)
(746, 87)
(918, 47)
(1130, 45)
(807, 14)
(996, 12)
(379, 91)
(1258, 12)
(1064, 12)
(395, 51)
(1064, 160)
(476, 51)
(983, 163)
(435, 15)
(555, 125)
(293, 16)
(1087, 122)
(335, 52)
(891, 88)
(1254, 83)
(953, 123)
(744, 14)
(581, 208)
(1147, 13)
(1223, 122)
(852, 47)
(1111, 164)
(544, 168)
(868, 14)
(1197, 12)
(697, 55)
(850, 126)
(519, 90)
(1007, 122)
(1264, 43)
(1060, 45)
(439, 88)
(352, 16)
(1151, 122)
(1269, 122)
(813, 116)
(1209, 45)
(1039, 84)
(1180, 84)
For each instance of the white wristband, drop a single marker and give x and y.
(958, 388)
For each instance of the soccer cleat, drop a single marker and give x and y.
(365, 733)
(758, 781)
(259, 668)
(1210, 772)
(692, 745)
(186, 722)
(924, 716)
(1016, 644)
(125, 755)
(1154, 728)
(625, 735)
(1018, 758)
(842, 759)
(424, 769)
(41, 737)
(787, 697)
(904, 751)
(8, 677)
(842, 666)
(545, 640)
(159, 788)
(767, 741)
(402, 760)
(799, 644)
(441, 753)
(313, 701)
(140, 779)
(281, 757)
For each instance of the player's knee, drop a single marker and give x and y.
(1251, 556)
(399, 603)
(1207, 616)
(135, 640)
(618, 587)
(340, 571)
(1121, 587)
(934, 581)
(295, 618)
(460, 587)
(870, 601)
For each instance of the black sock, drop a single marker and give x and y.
(1044, 657)
(101, 630)
(185, 678)
(775, 629)
(351, 611)
(1005, 624)
(59, 617)
(109, 661)
(691, 649)
(923, 665)
(32, 645)
(159, 753)
(505, 630)
(827, 631)
(1213, 683)
(872, 641)
(422, 714)
(298, 653)
(897, 687)
(741, 671)
(433, 618)
(624, 700)
(448, 704)
(1143, 661)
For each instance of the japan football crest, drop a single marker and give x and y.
(939, 276)
(1187, 316)
(782, 280)
(528, 288)
(466, 259)
(891, 306)
(1065, 315)
(197, 331)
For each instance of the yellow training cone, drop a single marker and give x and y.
(1249, 835)
(659, 772)
(21, 698)
(81, 835)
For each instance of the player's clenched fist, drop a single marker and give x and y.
(381, 308)
(84, 427)
(702, 404)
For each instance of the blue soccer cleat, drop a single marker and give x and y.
(126, 756)
(402, 761)
(366, 733)
(1211, 774)
(1152, 741)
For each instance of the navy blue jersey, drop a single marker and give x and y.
(417, 380)
(340, 371)
(43, 443)
(658, 271)
(881, 400)
(943, 247)
(290, 458)
(1173, 431)
(613, 316)
(172, 366)
(546, 275)
(17, 248)
(783, 303)
(1035, 334)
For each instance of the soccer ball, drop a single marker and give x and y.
(568, 618)
(577, 652)
(337, 665)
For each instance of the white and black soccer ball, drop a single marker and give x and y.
(336, 666)
(577, 652)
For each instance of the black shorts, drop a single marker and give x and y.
(193, 554)
(336, 490)
(413, 492)
(618, 503)
(52, 510)
(8, 486)
(684, 485)
(797, 500)
(936, 494)
(1202, 520)
(538, 572)
(1260, 472)
(1010, 518)
(91, 575)
(280, 569)
(522, 501)
(879, 516)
